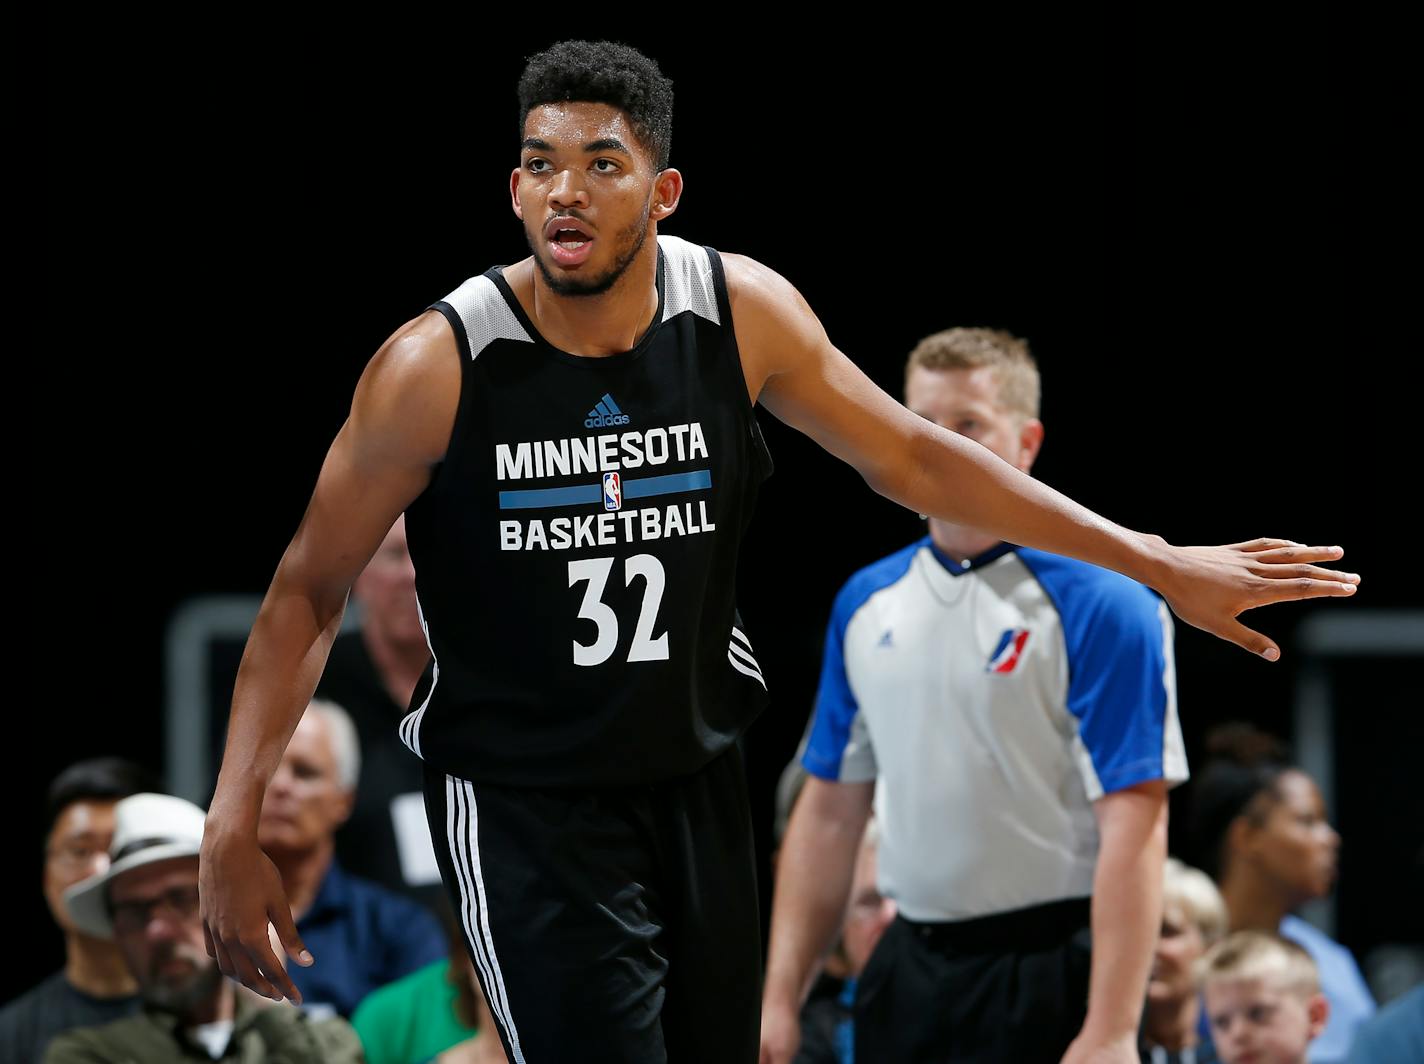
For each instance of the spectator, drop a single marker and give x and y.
(362, 935)
(372, 674)
(1263, 835)
(827, 1021)
(94, 986)
(1396, 1032)
(1193, 919)
(1263, 999)
(147, 903)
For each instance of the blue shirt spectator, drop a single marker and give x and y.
(363, 936)
(1396, 1032)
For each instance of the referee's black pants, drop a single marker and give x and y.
(1011, 988)
(609, 925)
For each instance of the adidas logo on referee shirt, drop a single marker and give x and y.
(605, 413)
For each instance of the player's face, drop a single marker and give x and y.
(586, 190)
(77, 848)
(1254, 1023)
(305, 802)
(1178, 947)
(967, 401)
(1296, 848)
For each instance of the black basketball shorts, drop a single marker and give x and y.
(609, 925)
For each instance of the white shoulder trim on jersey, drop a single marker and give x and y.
(485, 314)
(410, 723)
(687, 280)
(462, 823)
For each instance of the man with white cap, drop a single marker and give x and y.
(147, 903)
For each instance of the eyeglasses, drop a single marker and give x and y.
(132, 916)
(77, 854)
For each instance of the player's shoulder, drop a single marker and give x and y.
(1090, 593)
(871, 579)
(753, 283)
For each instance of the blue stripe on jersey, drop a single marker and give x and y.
(639, 488)
(1116, 668)
(835, 704)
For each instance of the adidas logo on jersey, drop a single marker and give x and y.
(605, 413)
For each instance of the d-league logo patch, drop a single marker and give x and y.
(1006, 655)
(605, 413)
(612, 492)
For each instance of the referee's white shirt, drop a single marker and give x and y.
(994, 701)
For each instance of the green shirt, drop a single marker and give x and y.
(411, 1020)
(276, 1034)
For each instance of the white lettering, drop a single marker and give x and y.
(556, 458)
(535, 536)
(660, 437)
(607, 452)
(673, 523)
(632, 451)
(559, 529)
(509, 535)
(650, 522)
(585, 460)
(629, 516)
(512, 466)
(583, 530)
(698, 444)
(707, 526)
(605, 530)
(678, 432)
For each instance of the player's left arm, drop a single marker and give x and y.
(794, 370)
(1126, 917)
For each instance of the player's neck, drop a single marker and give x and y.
(959, 542)
(594, 326)
(1171, 1024)
(96, 967)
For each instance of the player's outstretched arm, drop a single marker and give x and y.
(381, 459)
(794, 370)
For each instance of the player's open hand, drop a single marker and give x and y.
(240, 891)
(1209, 586)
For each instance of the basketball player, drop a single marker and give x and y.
(573, 443)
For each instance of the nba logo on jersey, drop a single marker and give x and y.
(612, 492)
(1006, 654)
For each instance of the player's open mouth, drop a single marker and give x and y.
(570, 242)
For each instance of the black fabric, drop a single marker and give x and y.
(610, 925)
(924, 999)
(508, 701)
(821, 1016)
(30, 1022)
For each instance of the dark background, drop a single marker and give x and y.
(1193, 224)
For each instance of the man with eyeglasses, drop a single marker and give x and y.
(146, 902)
(94, 985)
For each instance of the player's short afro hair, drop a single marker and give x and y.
(603, 72)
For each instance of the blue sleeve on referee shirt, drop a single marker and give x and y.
(1119, 679)
(835, 703)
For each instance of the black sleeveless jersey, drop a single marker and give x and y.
(576, 550)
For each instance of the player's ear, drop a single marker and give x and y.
(514, 193)
(1317, 1009)
(667, 191)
